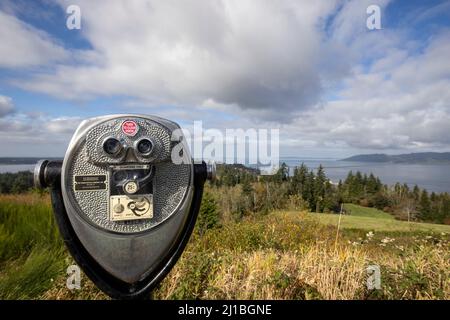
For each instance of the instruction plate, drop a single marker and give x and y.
(90, 182)
(124, 207)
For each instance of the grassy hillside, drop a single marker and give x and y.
(355, 210)
(281, 255)
(377, 224)
(362, 218)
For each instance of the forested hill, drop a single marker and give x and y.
(423, 157)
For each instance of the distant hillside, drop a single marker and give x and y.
(422, 157)
(22, 160)
(221, 168)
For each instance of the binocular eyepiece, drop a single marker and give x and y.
(124, 207)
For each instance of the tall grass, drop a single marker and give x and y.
(286, 257)
(271, 274)
(31, 252)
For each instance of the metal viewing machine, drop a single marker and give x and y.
(123, 206)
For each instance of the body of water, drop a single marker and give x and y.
(16, 167)
(432, 177)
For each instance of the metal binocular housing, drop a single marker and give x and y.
(125, 198)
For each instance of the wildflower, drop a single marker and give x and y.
(387, 240)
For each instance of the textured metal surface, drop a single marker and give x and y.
(160, 137)
(170, 181)
(127, 250)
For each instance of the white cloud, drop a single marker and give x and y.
(22, 45)
(6, 106)
(399, 104)
(313, 69)
(63, 125)
(24, 134)
(267, 57)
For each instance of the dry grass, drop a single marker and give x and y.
(413, 266)
(59, 291)
(268, 274)
(31, 198)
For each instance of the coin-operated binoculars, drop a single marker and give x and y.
(126, 198)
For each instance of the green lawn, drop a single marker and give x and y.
(363, 218)
(355, 210)
(378, 224)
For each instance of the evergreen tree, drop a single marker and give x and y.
(208, 216)
(372, 185)
(359, 184)
(416, 193)
(282, 173)
(308, 191)
(424, 206)
(433, 197)
(340, 192)
(444, 213)
(299, 179)
(319, 189)
(331, 201)
(348, 186)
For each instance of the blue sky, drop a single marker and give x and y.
(314, 71)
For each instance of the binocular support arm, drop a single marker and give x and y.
(48, 174)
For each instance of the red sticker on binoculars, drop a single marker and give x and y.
(129, 127)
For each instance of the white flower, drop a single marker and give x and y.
(370, 235)
(387, 240)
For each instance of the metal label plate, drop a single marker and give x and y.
(90, 182)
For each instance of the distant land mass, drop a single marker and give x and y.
(23, 160)
(411, 158)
